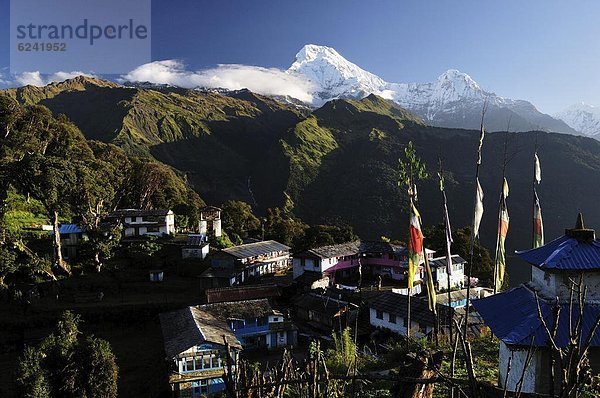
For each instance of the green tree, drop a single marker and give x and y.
(32, 378)
(40, 155)
(68, 365)
(99, 372)
(101, 244)
(483, 264)
(144, 250)
(323, 235)
(283, 227)
(100, 185)
(8, 263)
(220, 242)
(411, 170)
(238, 219)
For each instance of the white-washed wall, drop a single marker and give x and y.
(517, 363)
(397, 327)
(552, 284)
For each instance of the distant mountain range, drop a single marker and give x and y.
(454, 100)
(582, 117)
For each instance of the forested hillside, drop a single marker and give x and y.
(336, 165)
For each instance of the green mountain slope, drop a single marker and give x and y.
(214, 140)
(343, 160)
(337, 163)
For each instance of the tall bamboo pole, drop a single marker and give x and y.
(470, 266)
(500, 205)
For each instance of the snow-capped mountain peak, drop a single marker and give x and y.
(584, 118)
(458, 81)
(333, 75)
(454, 99)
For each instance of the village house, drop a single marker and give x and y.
(390, 311)
(194, 342)
(513, 314)
(342, 260)
(195, 247)
(322, 313)
(195, 346)
(136, 222)
(439, 268)
(255, 323)
(458, 298)
(237, 264)
(71, 236)
(210, 221)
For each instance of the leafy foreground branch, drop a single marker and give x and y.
(68, 364)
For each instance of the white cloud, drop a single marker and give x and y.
(30, 79)
(268, 81)
(38, 79)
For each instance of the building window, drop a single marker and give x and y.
(199, 387)
(379, 314)
(392, 318)
(275, 319)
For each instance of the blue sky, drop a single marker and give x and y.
(543, 51)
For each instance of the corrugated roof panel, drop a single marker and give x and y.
(256, 249)
(441, 261)
(69, 229)
(564, 253)
(521, 325)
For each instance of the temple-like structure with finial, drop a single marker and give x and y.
(557, 269)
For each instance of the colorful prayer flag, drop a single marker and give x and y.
(538, 225)
(481, 136)
(448, 238)
(431, 295)
(478, 210)
(538, 169)
(415, 245)
(503, 221)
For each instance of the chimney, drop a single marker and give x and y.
(580, 232)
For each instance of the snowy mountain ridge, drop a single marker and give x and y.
(584, 118)
(454, 99)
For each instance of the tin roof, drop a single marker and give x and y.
(564, 253)
(355, 247)
(323, 304)
(397, 304)
(69, 229)
(139, 213)
(239, 309)
(441, 261)
(513, 317)
(577, 249)
(193, 326)
(256, 249)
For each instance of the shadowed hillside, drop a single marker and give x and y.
(336, 164)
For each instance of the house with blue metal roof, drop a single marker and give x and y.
(71, 236)
(515, 318)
